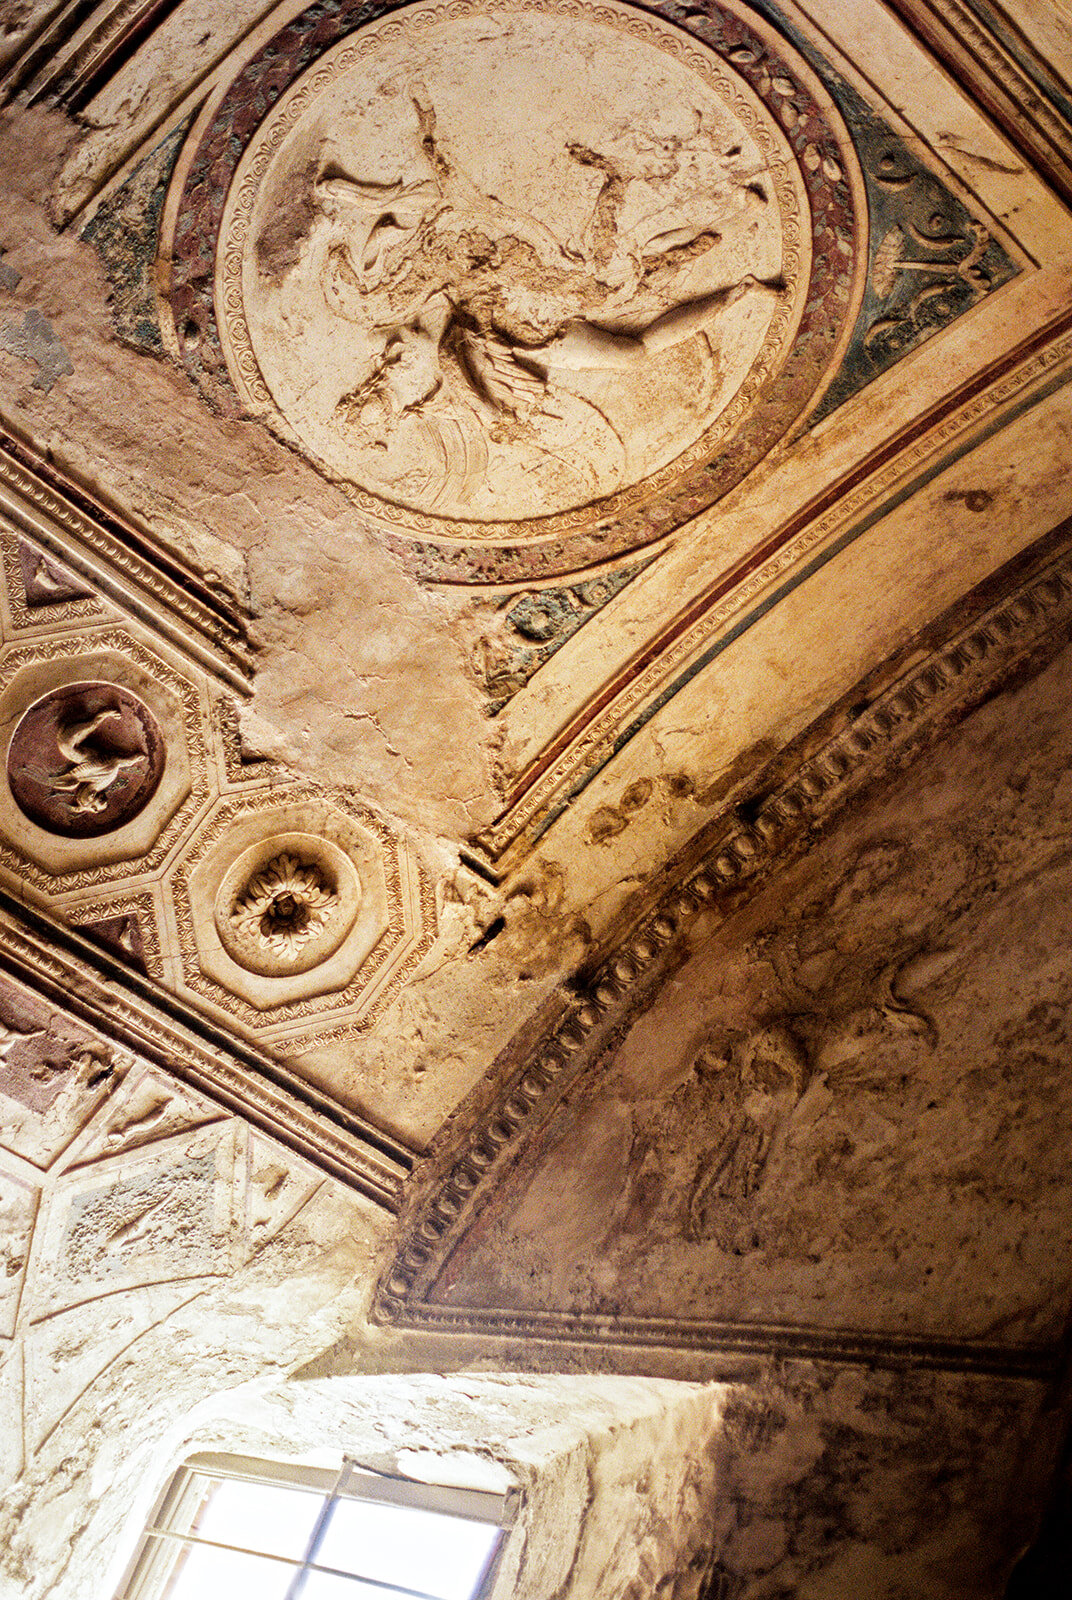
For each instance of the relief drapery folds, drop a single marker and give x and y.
(750, 1087)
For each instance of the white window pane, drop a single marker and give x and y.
(328, 1586)
(259, 1516)
(438, 1555)
(225, 1575)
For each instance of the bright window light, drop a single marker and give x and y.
(231, 1529)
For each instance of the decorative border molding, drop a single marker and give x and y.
(142, 906)
(44, 40)
(69, 63)
(765, 1340)
(845, 511)
(24, 617)
(730, 856)
(408, 890)
(236, 771)
(997, 81)
(87, 984)
(113, 558)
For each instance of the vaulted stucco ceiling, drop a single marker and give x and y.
(534, 656)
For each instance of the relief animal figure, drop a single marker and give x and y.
(89, 775)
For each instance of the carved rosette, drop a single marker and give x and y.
(285, 906)
(298, 917)
(562, 274)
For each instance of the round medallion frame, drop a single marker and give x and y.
(85, 759)
(287, 866)
(818, 165)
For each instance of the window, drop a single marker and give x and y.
(227, 1528)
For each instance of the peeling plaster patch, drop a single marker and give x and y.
(123, 232)
(36, 341)
(9, 278)
(974, 499)
(608, 821)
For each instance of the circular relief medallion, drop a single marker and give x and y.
(286, 904)
(493, 265)
(85, 759)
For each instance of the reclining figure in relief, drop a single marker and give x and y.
(475, 314)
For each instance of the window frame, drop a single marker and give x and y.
(150, 1567)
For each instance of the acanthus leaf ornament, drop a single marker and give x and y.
(285, 905)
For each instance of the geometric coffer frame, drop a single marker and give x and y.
(131, 809)
(372, 912)
(52, 855)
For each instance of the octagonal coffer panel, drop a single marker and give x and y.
(105, 759)
(289, 911)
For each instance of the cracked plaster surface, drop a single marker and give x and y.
(820, 1483)
(359, 671)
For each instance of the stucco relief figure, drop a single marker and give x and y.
(85, 759)
(89, 775)
(751, 1092)
(476, 291)
(477, 314)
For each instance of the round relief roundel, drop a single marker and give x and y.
(85, 759)
(286, 904)
(513, 273)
